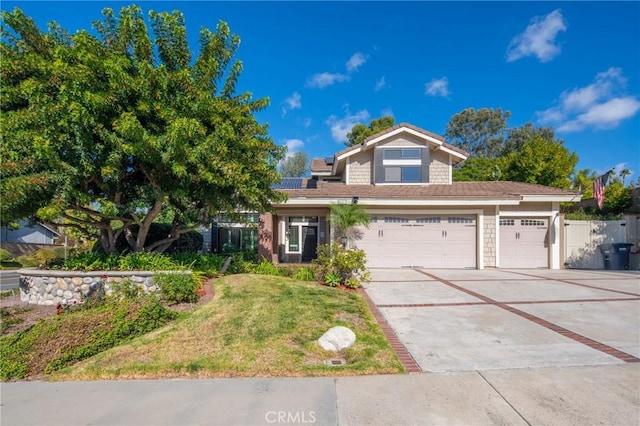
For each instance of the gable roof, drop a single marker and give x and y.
(321, 165)
(409, 128)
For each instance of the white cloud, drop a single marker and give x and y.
(387, 112)
(324, 79)
(293, 146)
(380, 84)
(292, 102)
(341, 126)
(437, 87)
(539, 39)
(306, 122)
(600, 105)
(355, 61)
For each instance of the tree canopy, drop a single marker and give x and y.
(360, 132)
(479, 132)
(103, 132)
(295, 165)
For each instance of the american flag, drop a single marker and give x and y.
(598, 188)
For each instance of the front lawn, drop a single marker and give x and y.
(256, 325)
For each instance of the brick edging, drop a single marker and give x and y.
(410, 365)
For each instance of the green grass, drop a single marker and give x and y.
(256, 326)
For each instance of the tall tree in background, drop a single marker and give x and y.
(479, 132)
(518, 136)
(542, 162)
(360, 132)
(295, 165)
(623, 174)
(106, 132)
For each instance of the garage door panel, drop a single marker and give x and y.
(420, 241)
(524, 243)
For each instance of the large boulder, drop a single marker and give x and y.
(337, 339)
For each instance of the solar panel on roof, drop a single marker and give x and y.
(288, 183)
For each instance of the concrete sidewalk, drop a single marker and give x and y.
(607, 394)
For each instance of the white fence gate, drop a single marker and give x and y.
(582, 238)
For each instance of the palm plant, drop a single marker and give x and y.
(345, 218)
(623, 174)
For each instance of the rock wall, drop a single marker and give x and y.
(45, 287)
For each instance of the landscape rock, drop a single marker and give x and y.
(337, 339)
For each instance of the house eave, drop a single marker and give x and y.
(302, 201)
(552, 198)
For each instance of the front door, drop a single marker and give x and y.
(309, 243)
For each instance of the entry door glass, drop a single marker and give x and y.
(309, 243)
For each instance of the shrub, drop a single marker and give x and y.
(144, 261)
(267, 268)
(126, 289)
(208, 264)
(43, 257)
(332, 279)
(177, 287)
(304, 274)
(5, 256)
(345, 263)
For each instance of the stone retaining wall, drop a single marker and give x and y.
(46, 287)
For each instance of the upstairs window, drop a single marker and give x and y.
(402, 165)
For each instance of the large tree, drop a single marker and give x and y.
(103, 132)
(479, 132)
(542, 162)
(360, 132)
(518, 136)
(295, 165)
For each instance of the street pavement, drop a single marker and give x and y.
(8, 280)
(589, 395)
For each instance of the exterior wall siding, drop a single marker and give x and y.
(489, 234)
(439, 169)
(360, 168)
(404, 140)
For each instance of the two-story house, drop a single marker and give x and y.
(419, 216)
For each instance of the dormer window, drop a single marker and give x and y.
(402, 165)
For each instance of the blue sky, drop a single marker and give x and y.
(574, 66)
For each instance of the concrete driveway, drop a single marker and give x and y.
(467, 320)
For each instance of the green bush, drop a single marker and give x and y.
(267, 268)
(177, 287)
(304, 274)
(5, 256)
(42, 257)
(345, 263)
(208, 264)
(332, 279)
(143, 261)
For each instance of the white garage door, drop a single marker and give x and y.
(420, 241)
(524, 243)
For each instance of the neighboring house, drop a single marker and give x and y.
(27, 232)
(419, 216)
